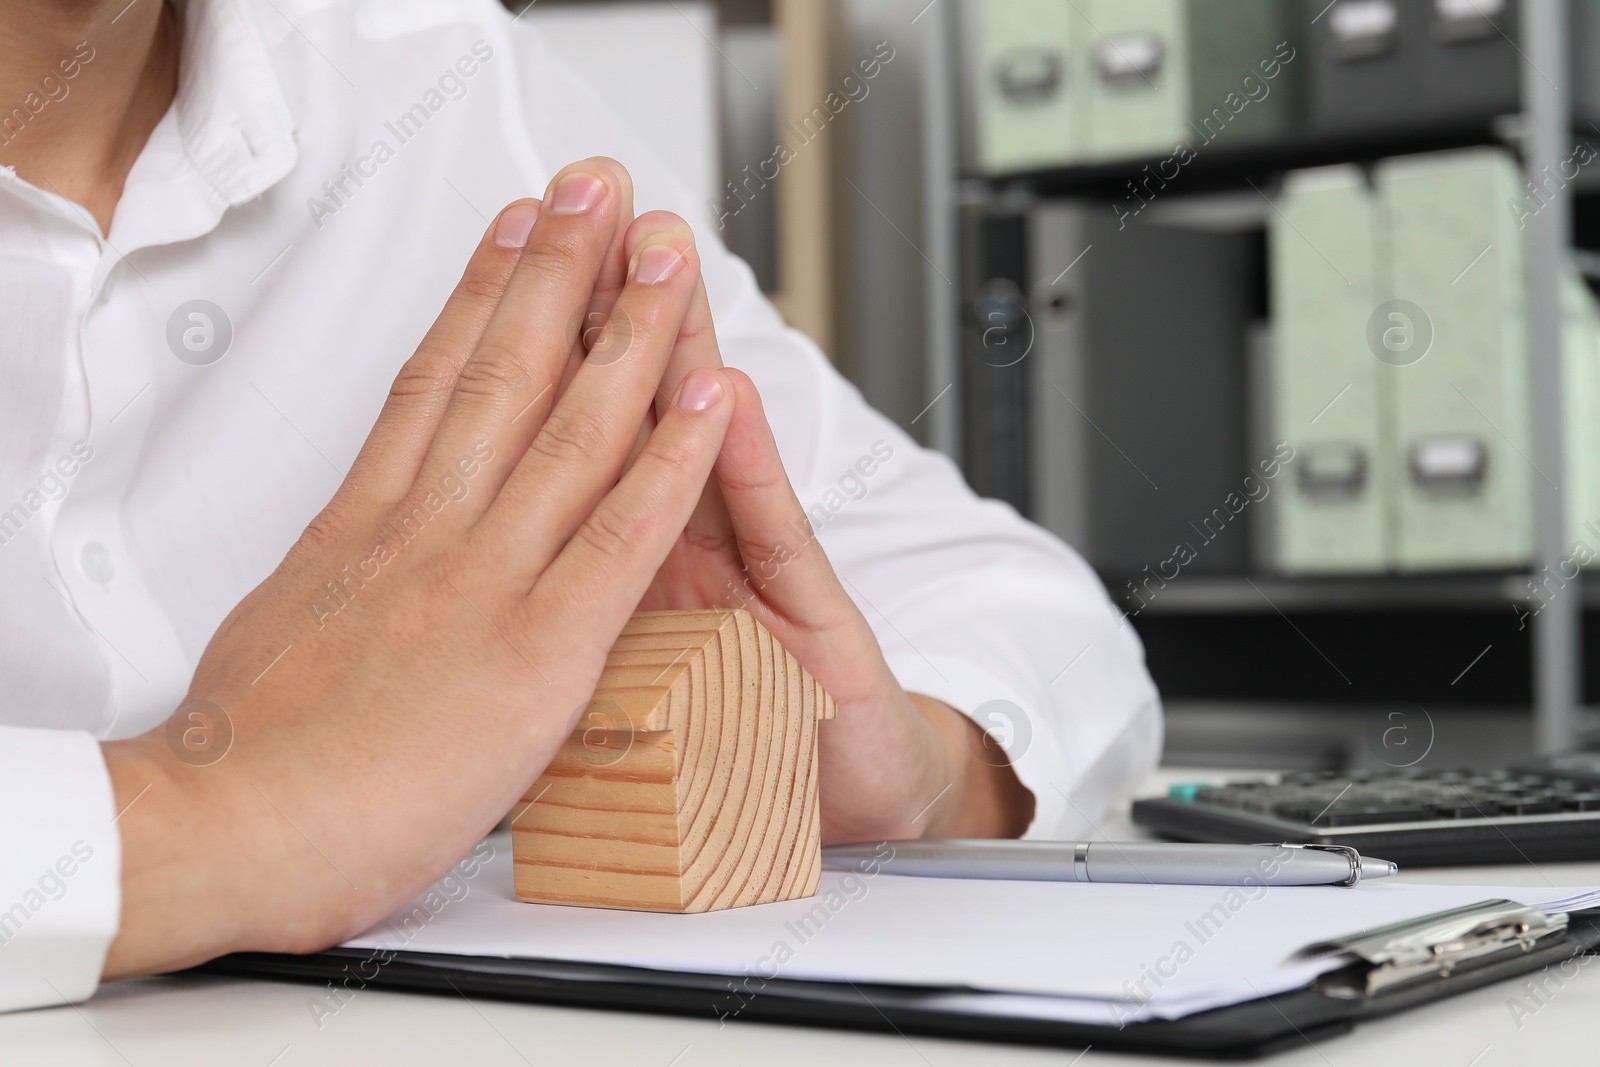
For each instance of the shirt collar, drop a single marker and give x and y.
(227, 138)
(231, 114)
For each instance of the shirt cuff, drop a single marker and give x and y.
(60, 867)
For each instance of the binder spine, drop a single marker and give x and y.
(997, 340)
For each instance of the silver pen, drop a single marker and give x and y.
(1152, 862)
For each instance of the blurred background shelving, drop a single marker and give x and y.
(1248, 653)
(939, 279)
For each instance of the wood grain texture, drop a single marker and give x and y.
(690, 784)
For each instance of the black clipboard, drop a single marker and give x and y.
(1241, 1031)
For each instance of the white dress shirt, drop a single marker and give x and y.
(319, 183)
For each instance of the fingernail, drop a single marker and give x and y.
(699, 391)
(514, 225)
(577, 192)
(658, 263)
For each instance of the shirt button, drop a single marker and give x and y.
(95, 562)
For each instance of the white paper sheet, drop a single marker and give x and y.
(1097, 953)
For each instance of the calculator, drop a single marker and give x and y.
(1545, 810)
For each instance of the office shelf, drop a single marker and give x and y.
(1239, 594)
(1222, 165)
(1225, 165)
(1255, 593)
(1211, 625)
(1197, 619)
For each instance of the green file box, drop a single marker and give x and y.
(1581, 355)
(1139, 73)
(1463, 459)
(1164, 73)
(1329, 392)
(1026, 85)
(1053, 82)
(1408, 302)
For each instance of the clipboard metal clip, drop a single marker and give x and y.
(1433, 946)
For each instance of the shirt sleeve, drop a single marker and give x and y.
(972, 604)
(60, 867)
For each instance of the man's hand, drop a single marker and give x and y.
(415, 661)
(893, 764)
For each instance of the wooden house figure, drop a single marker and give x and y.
(690, 784)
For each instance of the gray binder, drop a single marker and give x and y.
(1136, 398)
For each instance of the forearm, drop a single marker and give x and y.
(984, 797)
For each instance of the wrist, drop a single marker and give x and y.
(982, 795)
(203, 873)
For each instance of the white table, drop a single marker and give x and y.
(177, 1022)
